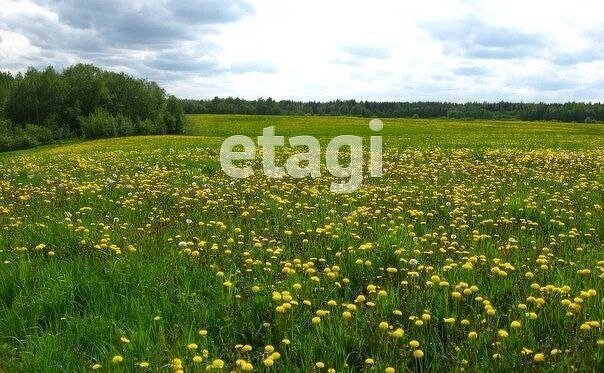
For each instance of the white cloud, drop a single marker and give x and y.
(384, 50)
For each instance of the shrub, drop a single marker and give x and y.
(159, 126)
(170, 123)
(61, 132)
(22, 139)
(42, 134)
(125, 127)
(99, 124)
(173, 116)
(6, 142)
(145, 127)
(6, 127)
(151, 126)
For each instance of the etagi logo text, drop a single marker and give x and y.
(308, 163)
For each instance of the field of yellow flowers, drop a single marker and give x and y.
(480, 248)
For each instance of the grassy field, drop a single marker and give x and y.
(480, 248)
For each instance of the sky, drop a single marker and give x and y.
(448, 50)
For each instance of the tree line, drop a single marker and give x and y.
(565, 112)
(41, 106)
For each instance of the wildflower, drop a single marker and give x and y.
(217, 364)
(117, 359)
(176, 363)
(418, 354)
(398, 333)
(456, 295)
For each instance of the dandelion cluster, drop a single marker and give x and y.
(151, 258)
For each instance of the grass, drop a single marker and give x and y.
(130, 247)
(414, 133)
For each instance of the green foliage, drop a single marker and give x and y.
(453, 192)
(125, 127)
(567, 112)
(36, 97)
(99, 124)
(14, 137)
(6, 82)
(6, 135)
(174, 116)
(146, 127)
(42, 134)
(82, 100)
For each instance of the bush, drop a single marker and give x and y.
(173, 116)
(42, 134)
(170, 123)
(6, 143)
(6, 127)
(61, 132)
(22, 139)
(7, 138)
(159, 126)
(125, 127)
(99, 124)
(151, 126)
(145, 127)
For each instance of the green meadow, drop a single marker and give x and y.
(480, 248)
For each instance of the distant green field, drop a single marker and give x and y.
(480, 249)
(414, 133)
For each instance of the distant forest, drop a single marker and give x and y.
(41, 106)
(568, 112)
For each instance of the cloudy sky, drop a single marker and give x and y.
(310, 49)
